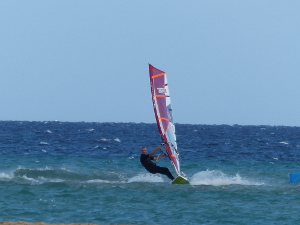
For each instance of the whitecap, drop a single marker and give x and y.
(117, 139)
(43, 143)
(42, 180)
(104, 139)
(43, 169)
(6, 176)
(98, 181)
(218, 178)
(64, 169)
(54, 180)
(29, 179)
(46, 168)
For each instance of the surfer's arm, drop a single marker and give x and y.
(155, 150)
(159, 157)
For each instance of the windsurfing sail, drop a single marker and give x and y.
(163, 113)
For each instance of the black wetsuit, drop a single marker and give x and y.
(153, 168)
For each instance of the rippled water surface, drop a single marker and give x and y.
(62, 172)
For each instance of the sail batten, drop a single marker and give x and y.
(163, 113)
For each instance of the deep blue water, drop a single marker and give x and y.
(63, 172)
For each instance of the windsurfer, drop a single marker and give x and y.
(151, 166)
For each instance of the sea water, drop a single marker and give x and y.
(64, 172)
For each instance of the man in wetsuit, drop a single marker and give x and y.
(151, 166)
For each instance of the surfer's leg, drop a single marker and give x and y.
(165, 171)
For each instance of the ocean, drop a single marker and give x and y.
(65, 172)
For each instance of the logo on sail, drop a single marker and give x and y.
(162, 90)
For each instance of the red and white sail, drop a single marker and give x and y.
(163, 113)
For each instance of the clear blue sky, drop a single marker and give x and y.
(228, 62)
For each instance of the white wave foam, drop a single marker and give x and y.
(25, 168)
(57, 180)
(65, 169)
(30, 179)
(218, 178)
(46, 168)
(145, 178)
(4, 176)
(43, 143)
(104, 139)
(43, 169)
(41, 180)
(117, 139)
(98, 181)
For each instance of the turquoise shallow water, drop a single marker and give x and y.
(90, 173)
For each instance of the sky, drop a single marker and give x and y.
(227, 62)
